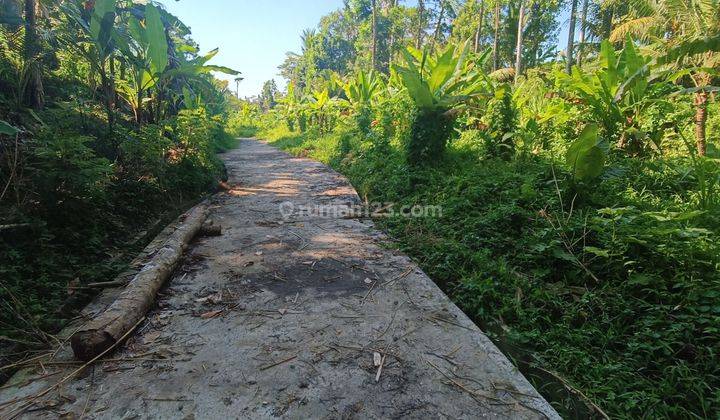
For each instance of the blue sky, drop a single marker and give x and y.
(254, 35)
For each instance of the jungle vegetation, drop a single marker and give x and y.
(110, 121)
(580, 188)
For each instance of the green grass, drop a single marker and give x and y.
(614, 289)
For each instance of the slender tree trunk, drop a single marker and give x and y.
(421, 19)
(571, 37)
(108, 94)
(32, 95)
(519, 46)
(438, 26)
(481, 22)
(391, 44)
(583, 24)
(607, 22)
(701, 99)
(496, 37)
(112, 81)
(374, 34)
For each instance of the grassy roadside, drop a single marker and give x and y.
(612, 291)
(89, 237)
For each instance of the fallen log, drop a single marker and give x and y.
(210, 229)
(104, 331)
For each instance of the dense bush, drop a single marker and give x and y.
(81, 201)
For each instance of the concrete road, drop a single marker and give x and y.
(290, 313)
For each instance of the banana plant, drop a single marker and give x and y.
(293, 107)
(615, 95)
(97, 45)
(440, 86)
(185, 71)
(321, 107)
(146, 50)
(361, 90)
(586, 155)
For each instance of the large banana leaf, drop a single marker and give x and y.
(102, 24)
(157, 41)
(443, 70)
(585, 156)
(690, 48)
(417, 88)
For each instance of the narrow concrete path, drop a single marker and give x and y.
(290, 317)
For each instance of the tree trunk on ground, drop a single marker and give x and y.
(701, 99)
(33, 93)
(481, 21)
(103, 332)
(374, 34)
(496, 37)
(583, 24)
(571, 37)
(519, 46)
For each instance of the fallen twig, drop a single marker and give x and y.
(577, 392)
(33, 398)
(266, 367)
(476, 395)
(398, 277)
(380, 368)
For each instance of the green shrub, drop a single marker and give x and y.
(144, 152)
(193, 164)
(70, 179)
(502, 122)
(616, 290)
(430, 131)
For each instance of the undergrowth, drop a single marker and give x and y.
(611, 288)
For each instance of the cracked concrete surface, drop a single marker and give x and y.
(289, 318)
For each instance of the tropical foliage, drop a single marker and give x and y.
(110, 120)
(579, 187)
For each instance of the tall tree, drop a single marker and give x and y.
(373, 4)
(31, 55)
(438, 24)
(496, 37)
(268, 95)
(583, 27)
(519, 44)
(420, 23)
(571, 37)
(481, 22)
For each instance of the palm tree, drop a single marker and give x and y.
(478, 31)
(583, 28)
(374, 34)
(496, 37)
(519, 46)
(34, 91)
(306, 38)
(571, 36)
(674, 25)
